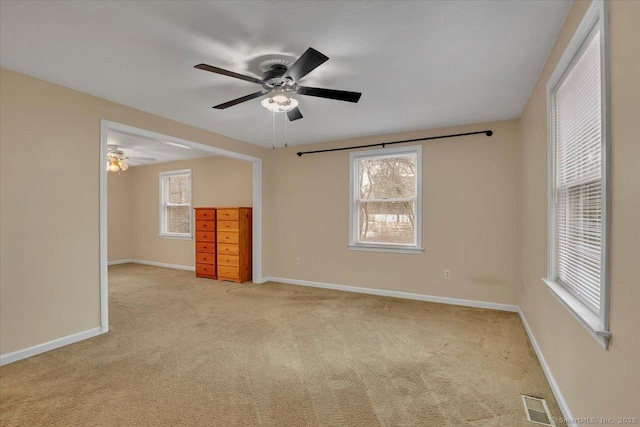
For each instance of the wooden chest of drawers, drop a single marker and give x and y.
(233, 241)
(206, 243)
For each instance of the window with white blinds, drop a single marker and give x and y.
(577, 178)
(578, 151)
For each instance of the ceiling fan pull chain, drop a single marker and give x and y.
(286, 131)
(273, 133)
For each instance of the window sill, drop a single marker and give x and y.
(176, 236)
(588, 319)
(386, 248)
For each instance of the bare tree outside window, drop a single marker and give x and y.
(179, 206)
(387, 199)
(176, 203)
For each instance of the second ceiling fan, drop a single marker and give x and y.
(280, 82)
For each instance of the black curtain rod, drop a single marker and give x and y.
(383, 144)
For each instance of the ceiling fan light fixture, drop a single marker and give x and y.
(279, 103)
(113, 166)
(280, 98)
(116, 160)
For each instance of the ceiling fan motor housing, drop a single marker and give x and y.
(273, 77)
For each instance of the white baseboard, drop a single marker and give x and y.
(395, 294)
(119, 261)
(50, 345)
(162, 264)
(154, 263)
(562, 403)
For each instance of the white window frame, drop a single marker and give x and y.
(164, 179)
(596, 325)
(354, 191)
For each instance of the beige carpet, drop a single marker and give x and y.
(196, 352)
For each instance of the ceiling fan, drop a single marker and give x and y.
(116, 159)
(280, 82)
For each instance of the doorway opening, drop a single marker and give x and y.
(256, 179)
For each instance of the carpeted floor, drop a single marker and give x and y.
(195, 352)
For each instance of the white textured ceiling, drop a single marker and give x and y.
(140, 146)
(419, 64)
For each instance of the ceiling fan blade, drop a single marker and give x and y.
(142, 159)
(238, 100)
(309, 61)
(217, 70)
(294, 114)
(340, 95)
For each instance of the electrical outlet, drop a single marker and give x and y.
(296, 261)
(447, 274)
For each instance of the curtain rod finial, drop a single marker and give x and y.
(489, 132)
(299, 154)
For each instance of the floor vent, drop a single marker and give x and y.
(537, 410)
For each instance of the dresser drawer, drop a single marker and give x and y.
(228, 249)
(227, 214)
(206, 247)
(202, 225)
(206, 270)
(229, 260)
(205, 236)
(206, 258)
(228, 237)
(228, 225)
(206, 214)
(225, 272)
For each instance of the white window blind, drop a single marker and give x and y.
(577, 176)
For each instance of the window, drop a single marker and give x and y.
(175, 204)
(578, 146)
(386, 200)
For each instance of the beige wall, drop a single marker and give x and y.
(120, 221)
(217, 181)
(49, 204)
(470, 218)
(594, 382)
(484, 218)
